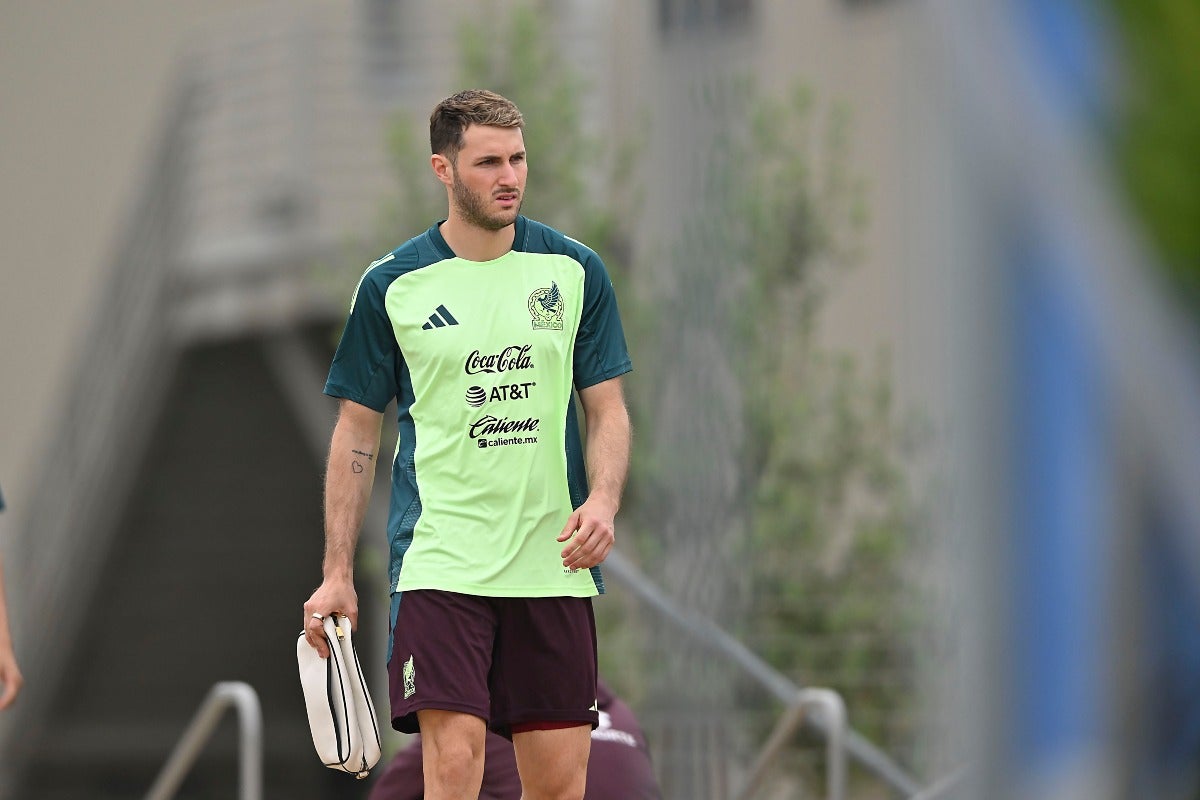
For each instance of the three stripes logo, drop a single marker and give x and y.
(439, 319)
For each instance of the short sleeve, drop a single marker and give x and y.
(600, 350)
(367, 362)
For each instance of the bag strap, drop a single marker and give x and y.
(340, 635)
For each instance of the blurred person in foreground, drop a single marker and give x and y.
(619, 767)
(482, 328)
(10, 674)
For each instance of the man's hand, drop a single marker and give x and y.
(331, 597)
(591, 533)
(10, 676)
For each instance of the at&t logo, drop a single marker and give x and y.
(477, 395)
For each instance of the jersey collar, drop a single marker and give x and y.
(435, 236)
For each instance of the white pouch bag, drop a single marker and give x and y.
(341, 716)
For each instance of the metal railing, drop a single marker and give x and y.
(231, 694)
(841, 739)
(832, 708)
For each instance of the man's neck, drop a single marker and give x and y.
(474, 243)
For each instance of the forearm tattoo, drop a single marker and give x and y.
(356, 466)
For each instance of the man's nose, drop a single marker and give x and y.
(508, 174)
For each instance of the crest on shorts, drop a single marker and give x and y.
(546, 306)
(410, 678)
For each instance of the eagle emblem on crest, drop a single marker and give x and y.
(546, 307)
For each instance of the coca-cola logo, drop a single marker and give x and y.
(487, 425)
(510, 358)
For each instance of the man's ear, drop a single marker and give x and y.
(442, 168)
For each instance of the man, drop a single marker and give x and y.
(480, 328)
(619, 767)
(10, 674)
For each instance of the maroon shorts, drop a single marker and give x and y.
(507, 660)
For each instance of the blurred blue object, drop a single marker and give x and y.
(1062, 533)
(1069, 47)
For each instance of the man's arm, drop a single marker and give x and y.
(10, 674)
(349, 476)
(591, 528)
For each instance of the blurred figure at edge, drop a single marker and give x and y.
(619, 767)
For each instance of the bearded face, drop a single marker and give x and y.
(486, 176)
(480, 207)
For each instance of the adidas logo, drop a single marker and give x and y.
(439, 319)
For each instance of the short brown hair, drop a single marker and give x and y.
(453, 115)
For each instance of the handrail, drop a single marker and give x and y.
(242, 697)
(707, 632)
(834, 709)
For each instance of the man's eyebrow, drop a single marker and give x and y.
(497, 156)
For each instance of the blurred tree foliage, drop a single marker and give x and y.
(1158, 140)
(834, 522)
(565, 165)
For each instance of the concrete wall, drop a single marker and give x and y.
(80, 107)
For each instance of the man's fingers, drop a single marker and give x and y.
(314, 634)
(11, 685)
(314, 629)
(604, 552)
(577, 543)
(590, 548)
(329, 598)
(570, 528)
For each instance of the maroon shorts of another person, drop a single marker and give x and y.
(508, 660)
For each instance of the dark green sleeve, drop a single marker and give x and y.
(367, 363)
(600, 350)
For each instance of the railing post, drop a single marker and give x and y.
(832, 723)
(243, 698)
(833, 711)
(779, 685)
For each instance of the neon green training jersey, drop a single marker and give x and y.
(482, 359)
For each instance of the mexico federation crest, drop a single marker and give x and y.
(410, 678)
(546, 307)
